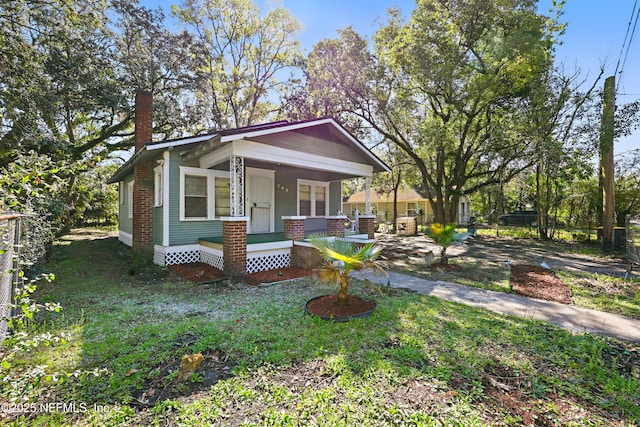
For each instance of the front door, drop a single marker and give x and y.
(260, 200)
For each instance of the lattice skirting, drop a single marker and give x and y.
(256, 261)
(268, 260)
(176, 254)
(212, 257)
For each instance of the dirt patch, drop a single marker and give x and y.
(164, 384)
(276, 275)
(537, 282)
(327, 306)
(198, 272)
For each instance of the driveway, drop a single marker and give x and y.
(518, 251)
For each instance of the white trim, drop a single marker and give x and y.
(234, 218)
(121, 192)
(266, 173)
(177, 143)
(313, 184)
(273, 154)
(125, 237)
(130, 199)
(211, 175)
(293, 217)
(165, 188)
(279, 155)
(216, 157)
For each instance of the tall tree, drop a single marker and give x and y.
(451, 87)
(244, 59)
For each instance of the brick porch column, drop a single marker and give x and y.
(335, 225)
(234, 245)
(294, 227)
(366, 224)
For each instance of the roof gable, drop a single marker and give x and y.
(325, 134)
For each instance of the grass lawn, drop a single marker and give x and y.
(417, 361)
(592, 290)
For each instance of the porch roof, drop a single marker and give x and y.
(320, 144)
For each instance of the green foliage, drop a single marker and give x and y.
(342, 257)
(454, 87)
(290, 368)
(444, 236)
(243, 57)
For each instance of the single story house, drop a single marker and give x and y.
(410, 202)
(242, 200)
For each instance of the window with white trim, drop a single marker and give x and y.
(204, 194)
(157, 186)
(130, 198)
(313, 198)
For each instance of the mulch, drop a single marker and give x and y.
(277, 275)
(200, 273)
(538, 282)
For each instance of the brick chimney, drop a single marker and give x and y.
(143, 119)
(143, 177)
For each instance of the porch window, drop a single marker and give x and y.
(195, 196)
(204, 194)
(305, 199)
(321, 195)
(223, 197)
(312, 198)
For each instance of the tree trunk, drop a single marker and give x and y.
(396, 185)
(343, 292)
(444, 259)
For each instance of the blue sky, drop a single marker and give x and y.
(593, 38)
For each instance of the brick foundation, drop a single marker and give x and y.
(294, 227)
(306, 257)
(335, 225)
(234, 246)
(366, 224)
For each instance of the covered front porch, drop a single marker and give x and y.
(249, 198)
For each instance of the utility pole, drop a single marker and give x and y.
(606, 164)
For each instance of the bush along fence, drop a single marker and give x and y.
(10, 233)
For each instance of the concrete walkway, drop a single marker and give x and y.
(569, 317)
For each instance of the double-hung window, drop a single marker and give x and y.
(204, 194)
(313, 198)
(157, 186)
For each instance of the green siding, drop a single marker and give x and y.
(285, 203)
(157, 225)
(185, 232)
(335, 197)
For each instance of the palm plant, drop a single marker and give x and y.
(444, 236)
(341, 258)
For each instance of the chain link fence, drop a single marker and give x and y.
(10, 232)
